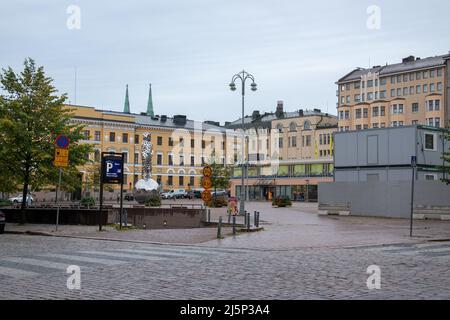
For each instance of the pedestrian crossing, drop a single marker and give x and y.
(408, 249)
(37, 264)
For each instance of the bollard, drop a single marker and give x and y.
(234, 225)
(245, 217)
(209, 215)
(255, 217)
(248, 222)
(229, 218)
(219, 227)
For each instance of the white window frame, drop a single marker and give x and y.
(434, 141)
(434, 175)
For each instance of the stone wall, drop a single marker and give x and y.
(160, 218)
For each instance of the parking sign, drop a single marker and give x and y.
(112, 169)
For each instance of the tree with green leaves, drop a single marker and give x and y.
(221, 175)
(32, 115)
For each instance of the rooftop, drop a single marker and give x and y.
(408, 64)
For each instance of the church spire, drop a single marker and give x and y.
(126, 107)
(150, 111)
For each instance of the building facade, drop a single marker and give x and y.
(287, 154)
(180, 146)
(414, 92)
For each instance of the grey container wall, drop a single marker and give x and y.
(385, 154)
(386, 147)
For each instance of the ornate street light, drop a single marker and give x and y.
(243, 76)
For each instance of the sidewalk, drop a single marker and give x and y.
(172, 236)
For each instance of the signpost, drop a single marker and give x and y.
(413, 178)
(61, 161)
(111, 173)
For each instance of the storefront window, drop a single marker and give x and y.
(299, 170)
(253, 172)
(316, 169)
(283, 171)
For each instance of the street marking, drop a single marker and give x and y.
(124, 255)
(161, 253)
(12, 272)
(110, 262)
(39, 263)
(199, 250)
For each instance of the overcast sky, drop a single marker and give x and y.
(190, 49)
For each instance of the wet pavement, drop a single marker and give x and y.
(300, 226)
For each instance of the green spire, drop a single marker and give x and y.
(126, 107)
(150, 111)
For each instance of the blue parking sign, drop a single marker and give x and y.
(112, 169)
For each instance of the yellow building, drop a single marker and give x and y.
(288, 153)
(180, 146)
(412, 92)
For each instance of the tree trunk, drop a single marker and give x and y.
(24, 196)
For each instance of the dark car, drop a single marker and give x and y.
(2, 221)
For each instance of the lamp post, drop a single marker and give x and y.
(307, 191)
(243, 76)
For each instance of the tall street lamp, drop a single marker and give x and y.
(243, 76)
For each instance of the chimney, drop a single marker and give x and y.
(255, 115)
(300, 112)
(408, 59)
(279, 112)
(179, 119)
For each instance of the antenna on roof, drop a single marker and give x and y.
(75, 93)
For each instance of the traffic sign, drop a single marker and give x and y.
(207, 171)
(206, 196)
(61, 157)
(62, 141)
(206, 183)
(112, 169)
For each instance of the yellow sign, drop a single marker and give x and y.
(61, 157)
(207, 171)
(206, 196)
(206, 183)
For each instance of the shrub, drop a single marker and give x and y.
(153, 201)
(87, 201)
(282, 201)
(217, 202)
(5, 202)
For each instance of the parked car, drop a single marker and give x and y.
(2, 221)
(17, 200)
(219, 193)
(196, 193)
(175, 194)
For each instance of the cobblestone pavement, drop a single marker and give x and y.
(34, 267)
(176, 236)
(299, 256)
